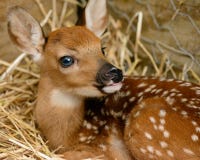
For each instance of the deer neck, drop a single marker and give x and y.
(59, 114)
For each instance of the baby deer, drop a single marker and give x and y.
(88, 109)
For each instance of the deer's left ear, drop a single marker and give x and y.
(96, 16)
(25, 32)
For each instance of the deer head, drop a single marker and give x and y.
(71, 57)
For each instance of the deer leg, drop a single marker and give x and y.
(85, 152)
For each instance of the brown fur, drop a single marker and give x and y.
(149, 118)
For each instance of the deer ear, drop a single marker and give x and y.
(25, 32)
(96, 16)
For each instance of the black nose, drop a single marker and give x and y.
(108, 73)
(115, 74)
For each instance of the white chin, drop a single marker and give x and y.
(112, 88)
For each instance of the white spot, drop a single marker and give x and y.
(179, 95)
(194, 137)
(164, 93)
(132, 99)
(128, 93)
(143, 150)
(107, 113)
(140, 99)
(163, 144)
(103, 147)
(112, 112)
(170, 100)
(82, 139)
(121, 94)
(166, 134)
(158, 153)
(195, 88)
(88, 141)
(192, 106)
(170, 153)
(161, 127)
(172, 94)
(102, 111)
(162, 113)
(174, 90)
(184, 113)
(81, 134)
(95, 118)
(162, 121)
(85, 123)
(102, 123)
(186, 84)
(142, 85)
(142, 105)
(140, 94)
(150, 149)
(148, 90)
(152, 119)
(174, 109)
(94, 127)
(106, 127)
(191, 102)
(152, 86)
(184, 100)
(88, 126)
(123, 117)
(194, 123)
(197, 91)
(197, 129)
(136, 114)
(91, 138)
(118, 114)
(155, 127)
(125, 105)
(154, 90)
(158, 91)
(96, 132)
(64, 99)
(148, 135)
(188, 151)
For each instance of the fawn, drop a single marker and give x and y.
(87, 108)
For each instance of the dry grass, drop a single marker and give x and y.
(20, 138)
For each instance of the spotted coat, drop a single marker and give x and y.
(157, 118)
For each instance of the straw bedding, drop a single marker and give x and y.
(126, 47)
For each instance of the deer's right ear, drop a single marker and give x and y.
(25, 32)
(96, 16)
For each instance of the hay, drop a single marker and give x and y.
(20, 138)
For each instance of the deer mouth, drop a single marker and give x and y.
(111, 88)
(109, 78)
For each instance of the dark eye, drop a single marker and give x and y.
(66, 61)
(103, 50)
